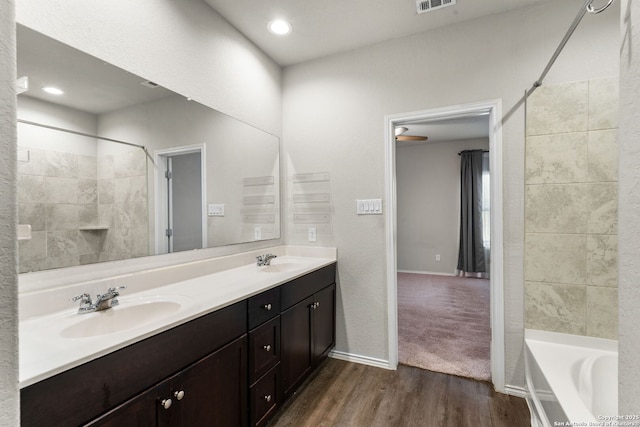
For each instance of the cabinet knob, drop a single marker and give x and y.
(267, 307)
(317, 304)
(166, 403)
(267, 347)
(178, 394)
(267, 398)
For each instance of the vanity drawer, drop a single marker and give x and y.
(264, 397)
(264, 348)
(298, 289)
(263, 307)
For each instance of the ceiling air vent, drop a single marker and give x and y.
(425, 6)
(150, 84)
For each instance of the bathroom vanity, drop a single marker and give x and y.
(233, 365)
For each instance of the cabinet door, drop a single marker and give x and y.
(215, 388)
(144, 410)
(323, 317)
(295, 344)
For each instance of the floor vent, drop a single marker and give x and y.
(425, 6)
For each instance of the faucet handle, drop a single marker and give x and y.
(116, 289)
(86, 298)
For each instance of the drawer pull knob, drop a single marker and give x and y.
(267, 347)
(267, 307)
(166, 403)
(267, 398)
(317, 304)
(179, 394)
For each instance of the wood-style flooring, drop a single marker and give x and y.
(350, 394)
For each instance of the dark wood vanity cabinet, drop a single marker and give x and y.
(81, 394)
(307, 327)
(210, 392)
(232, 367)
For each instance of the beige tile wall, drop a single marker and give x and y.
(123, 205)
(59, 193)
(571, 209)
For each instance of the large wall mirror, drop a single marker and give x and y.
(116, 167)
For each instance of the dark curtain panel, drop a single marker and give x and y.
(471, 255)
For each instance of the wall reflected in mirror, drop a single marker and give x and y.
(203, 179)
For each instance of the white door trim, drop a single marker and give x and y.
(494, 109)
(160, 191)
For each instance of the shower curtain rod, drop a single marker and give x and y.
(587, 7)
(27, 122)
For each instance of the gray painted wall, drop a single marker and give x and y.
(428, 203)
(184, 46)
(343, 98)
(628, 208)
(9, 397)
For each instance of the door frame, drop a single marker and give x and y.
(492, 108)
(160, 191)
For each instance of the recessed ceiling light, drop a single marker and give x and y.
(280, 27)
(53, 90)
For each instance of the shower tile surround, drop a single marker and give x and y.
(571, 209)
(59, 193)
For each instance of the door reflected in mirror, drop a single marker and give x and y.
(89, 199)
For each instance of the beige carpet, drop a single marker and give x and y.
(443, 324)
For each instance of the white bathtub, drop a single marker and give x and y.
(570, 378)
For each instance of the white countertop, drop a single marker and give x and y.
(45, 351)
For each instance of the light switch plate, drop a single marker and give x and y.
(257, 233)
(313, 236)
(215, 209)
(369, 206)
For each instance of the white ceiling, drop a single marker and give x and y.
(325, 27)
(89, 84)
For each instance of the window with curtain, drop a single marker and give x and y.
(475, 214)
(486, 202)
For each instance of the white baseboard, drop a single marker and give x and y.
(434, 273)
(363, 360)
(515, 391)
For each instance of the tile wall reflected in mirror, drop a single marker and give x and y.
(91, 200)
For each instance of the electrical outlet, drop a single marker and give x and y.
(312, 234)
(257, 233)
(437, 257)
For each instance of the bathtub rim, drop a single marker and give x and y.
(536, 340)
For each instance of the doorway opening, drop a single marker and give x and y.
(180, 202)
(399, 207)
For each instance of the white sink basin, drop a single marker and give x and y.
(129, 314)
(281, 267)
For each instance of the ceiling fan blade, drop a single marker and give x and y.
(410, 138)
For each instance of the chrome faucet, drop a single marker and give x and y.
(103, 301)
(265, 259)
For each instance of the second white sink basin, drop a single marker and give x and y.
(281, 267)
(129, 314)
